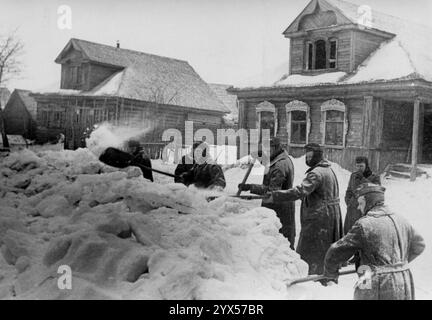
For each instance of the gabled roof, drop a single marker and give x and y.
(147, 77)
(28, 101)
(408, 55)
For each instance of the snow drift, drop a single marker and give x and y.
(124, 237)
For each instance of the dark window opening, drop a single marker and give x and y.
(310, 56)
(320, 55)
(298, 127)
(334, 128)
(332, 58)
(268, 122)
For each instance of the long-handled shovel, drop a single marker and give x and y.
(120, 159)
(246, 175)
(244, 197)
(315, 278)
(237, 195)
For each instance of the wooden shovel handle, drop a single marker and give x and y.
(246, 175)
(317, 277)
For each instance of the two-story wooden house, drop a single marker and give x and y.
(359, 83)
(107, 83)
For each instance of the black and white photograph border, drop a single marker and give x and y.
(215, 150)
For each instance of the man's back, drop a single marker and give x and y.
(389, 238)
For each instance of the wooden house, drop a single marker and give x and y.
(19, 114)
(359, 83)
(229, 100)
(107, 83)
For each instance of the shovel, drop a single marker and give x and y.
(120, 159)
(315, 278)
(244, 197)
(246, 175)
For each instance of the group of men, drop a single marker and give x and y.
(196, 168)
(372, 236)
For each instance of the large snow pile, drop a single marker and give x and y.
(124, 237)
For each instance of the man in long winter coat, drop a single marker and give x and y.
(363, 175)
(386, 243)
(280, 176)
(320, 216)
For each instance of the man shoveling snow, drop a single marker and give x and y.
(386, 243)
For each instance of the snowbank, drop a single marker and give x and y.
(124, 237)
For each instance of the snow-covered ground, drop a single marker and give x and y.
(124, 237)
(413, 200)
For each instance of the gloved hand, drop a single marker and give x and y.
(328, 282)
(182, 177)
(244, 187)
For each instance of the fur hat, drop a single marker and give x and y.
(368, 188)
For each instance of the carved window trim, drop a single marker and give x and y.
(266, 106)
(333, 105)
(297, 105)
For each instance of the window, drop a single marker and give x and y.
(57, 119)
(334, 123)
(267, 118)
(268, 122)
(298, 122)
(321, 54)
(309, 56)
(333, 52)
(76, 74)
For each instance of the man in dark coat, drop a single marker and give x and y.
(280, 176)
(202, 173)
(386, 243)
(320, 216)
(363, 175)
(140, 158)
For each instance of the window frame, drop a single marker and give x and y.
(326, 44)
(333, 105)
(312, 41)
(329, 60)
(301, 106)
(266, 106)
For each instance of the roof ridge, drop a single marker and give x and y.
(408, 56)
(386, 14)
(129, 50)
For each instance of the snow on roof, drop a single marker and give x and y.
(391, 61)
(302, 80)
(147, 77)
(408, 55)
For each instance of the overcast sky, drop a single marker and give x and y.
(225, 41)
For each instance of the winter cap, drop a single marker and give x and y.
(368, 188)
(133, 143)
(275, 142)
(362, 159)
(313, 147)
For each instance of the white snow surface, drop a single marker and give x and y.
(391, 61)
(303, 80)
(124, 237)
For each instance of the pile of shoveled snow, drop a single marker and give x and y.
(124, 237)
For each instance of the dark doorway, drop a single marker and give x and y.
(427, 134)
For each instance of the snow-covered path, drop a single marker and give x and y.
(413, 200)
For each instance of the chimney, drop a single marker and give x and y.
(118, 44)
